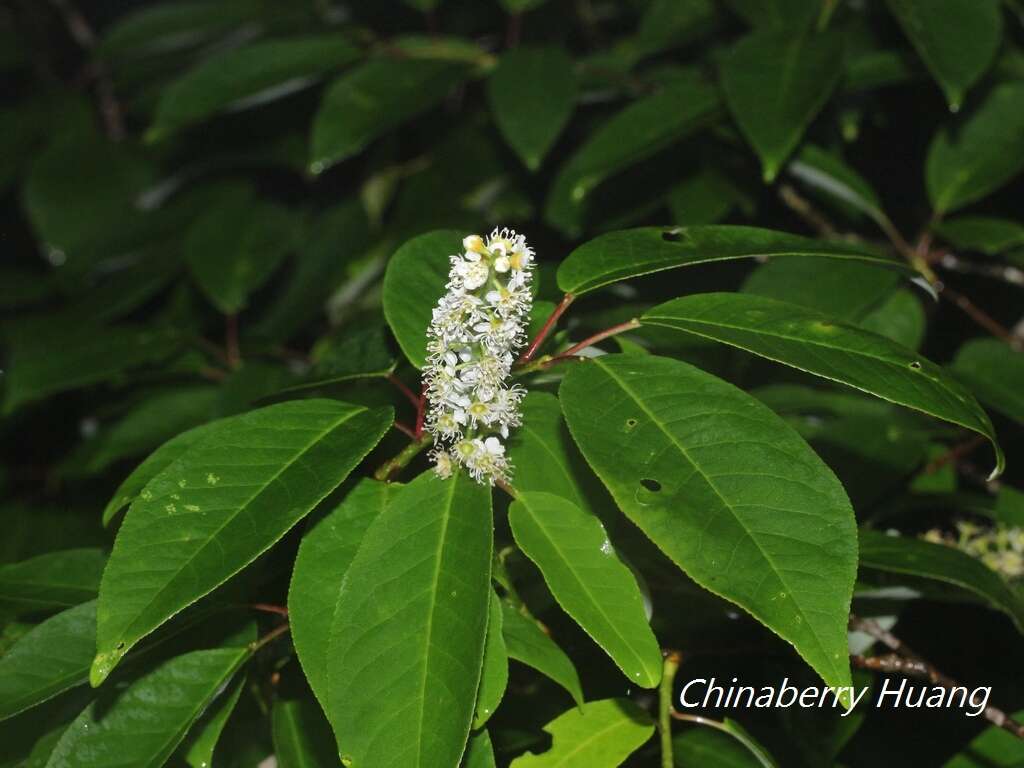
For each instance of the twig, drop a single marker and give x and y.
(393, 465)
(269, 637)
(954, 454)
(803, 208)
(665, 708)
(912, 665)
(421, 411)
(571, 352)
(82, 33)
(409, 394)
(542, 334)
(404, 429)
(514, 30)
(981, 317)
(231, 349)
(1005, 272)
(280, 610)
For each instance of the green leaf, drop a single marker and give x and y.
(986, 234)
(956, 39)
(752, 752)
(52, 582)
(711, 748)
(235, 246)
(419, 585)
(993, 748)
(705, 198)
(253, 74)
(817, 344)
(90, 355)
(414, 281)
(302, 737)
(532, 94)
(479, 752)
(900, 318)
(324, 557)
(142, 724)
(914, 557)
(219, 506)
(826, 173)
(202, 739)
(972, 158)
(154, 464)
(373, 99)
(352, 353)
(727, 490)
(634, 252)
(640, 130)
(776, 80)
(600, 734)
(542, 450)
(994, 371)
(48, 659)
(572, 550)
(527, 643)
(521, 6)
(494, 674)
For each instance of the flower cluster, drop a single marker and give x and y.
(477, 328)
(1000, 547)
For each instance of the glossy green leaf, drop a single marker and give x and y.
(419, 585)
(90, 355)
(202, 739)
(815, 343)
(246, 76)
(414, 281)
(993, 748)
(711, 748)
(727, 490)
(980, 152)
(52, 582)
(234, 248)
(142, 724)
(324, 557)
(521, 6)
(828, 174)
(527, 643)
(956, 39)
(375, 98)
(542, 450)
(995, 373)
(846, 290)
(900, 318)
(705, 198)
(600, 734)
(479, 752)
(986, 234)
(302, 736)
(753, 753)
(219, 506)
(48, 659)
(572, 550)
(634, 252)
(494, 674)
(154, 464)
(637, 132)
(776, 81)
(914, 557)
(532, 94)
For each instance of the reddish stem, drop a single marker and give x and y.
(570, 353)
(280, 610)
(409, 394)
(421, 412)
(405, 429)
(542, 334)
(231, 349)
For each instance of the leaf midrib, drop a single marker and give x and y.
(260, 488)
(713, 487)
(586, 589)
(667, 322)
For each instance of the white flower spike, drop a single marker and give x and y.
(477, 329)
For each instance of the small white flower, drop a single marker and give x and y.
(476, 330)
